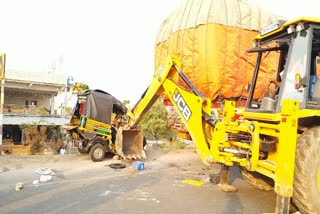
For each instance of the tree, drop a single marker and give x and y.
(154, 122)
(78, 87)
(126, 102)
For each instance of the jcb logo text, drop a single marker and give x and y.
(182, 105)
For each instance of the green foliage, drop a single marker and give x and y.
(173, 145)
(24, 125)
(42, 111)
(52, 132)
(78, 87)
(126, 102)
(154, 123)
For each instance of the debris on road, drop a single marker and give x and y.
(214, 178)
(44, 171)
(155, 200)
(106, 193)
(116, 157)
(46, 175)
(35, 182)
(138, 165)
(63, 151)
(19, 186)
(45, 178)
(193, 182)
(117, 165)
(3, 169)
(227, 188)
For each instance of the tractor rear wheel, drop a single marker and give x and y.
(306, 187)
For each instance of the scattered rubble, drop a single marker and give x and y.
(45, 178)
(46, 175)
(35, 182)
(3, 169)
(44, 171)
(19, 186)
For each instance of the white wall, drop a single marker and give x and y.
(20, 98)
(60, 100)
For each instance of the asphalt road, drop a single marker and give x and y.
(81, 186)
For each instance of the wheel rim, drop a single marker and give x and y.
(319, 179)
(98, 153)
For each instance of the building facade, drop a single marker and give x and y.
(31, 98)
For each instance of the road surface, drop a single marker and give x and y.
(82, 186)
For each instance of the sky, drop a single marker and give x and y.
(106, 44)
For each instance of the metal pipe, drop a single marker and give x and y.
(190, 85)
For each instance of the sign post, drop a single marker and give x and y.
(66, 90)
(2, 77)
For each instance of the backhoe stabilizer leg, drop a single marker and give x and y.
(282, 204)
(224, 185)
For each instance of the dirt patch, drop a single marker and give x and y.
(4, 169)
(40, 139)
(173, 145)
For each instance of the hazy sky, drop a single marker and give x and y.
(106, 44)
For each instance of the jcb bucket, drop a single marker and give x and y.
(129, 143)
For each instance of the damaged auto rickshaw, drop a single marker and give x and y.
(97, 126)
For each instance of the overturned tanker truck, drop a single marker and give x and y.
(211, 39)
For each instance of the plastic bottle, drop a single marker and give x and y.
(138, 165)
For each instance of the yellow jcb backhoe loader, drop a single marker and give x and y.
(277, 136)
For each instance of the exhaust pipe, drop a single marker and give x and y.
(129, 143)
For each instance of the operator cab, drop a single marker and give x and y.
(291, 52)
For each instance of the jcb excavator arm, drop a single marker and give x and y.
(193, 108)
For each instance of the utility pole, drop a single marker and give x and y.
(2, 77)
(67, 89)
(65, 101)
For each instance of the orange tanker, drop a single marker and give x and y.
(211, 38)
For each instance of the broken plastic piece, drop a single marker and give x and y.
(19, 186)
(193, 182)
(45, 178)
(138, 165)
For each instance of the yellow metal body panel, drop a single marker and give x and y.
(286, 149)
(75, 121)
(287, 24)
(69, 127)
(280, 164)
(183, 100)
(2, 66)
(318, 176)
(95, 126)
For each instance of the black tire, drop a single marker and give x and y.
(117, 165)
(97, 152)
(144, 142)
(306, 187)
(82, 150)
